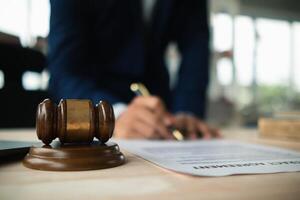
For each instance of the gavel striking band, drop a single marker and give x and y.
(74, 121)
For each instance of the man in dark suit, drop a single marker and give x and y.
(98, 48)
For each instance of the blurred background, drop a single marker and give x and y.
(255, 60)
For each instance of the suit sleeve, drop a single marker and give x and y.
(68, 60)
(192, 37)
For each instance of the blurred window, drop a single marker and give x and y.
(273, 52)
(223, 41)
(35, 80)
(244, 49)
(26, 19)
(1, 79)
(265, 68)
(224, 71)
(222, 32)
(296, 55)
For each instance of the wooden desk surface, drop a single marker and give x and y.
(139, 179)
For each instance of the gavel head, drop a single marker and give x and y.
(74, 121)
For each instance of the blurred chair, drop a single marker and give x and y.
(17, 105)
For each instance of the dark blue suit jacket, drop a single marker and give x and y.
(98, 48)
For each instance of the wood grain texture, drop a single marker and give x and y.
(74, 157)
(288, 129)
(74, 121)
(139, 179)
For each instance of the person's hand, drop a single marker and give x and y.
(193, 128)
(145, 117)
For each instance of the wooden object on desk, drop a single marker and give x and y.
(75, 123)
(74, 157)
(282, 126)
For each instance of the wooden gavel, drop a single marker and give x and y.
(74, 121)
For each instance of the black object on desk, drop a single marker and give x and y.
(13, 150)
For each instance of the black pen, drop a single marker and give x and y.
(140, 90)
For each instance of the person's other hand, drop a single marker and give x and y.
(193, 128)
(145, 117)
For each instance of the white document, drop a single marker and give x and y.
(214, 157)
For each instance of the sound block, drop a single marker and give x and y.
(74, 157)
